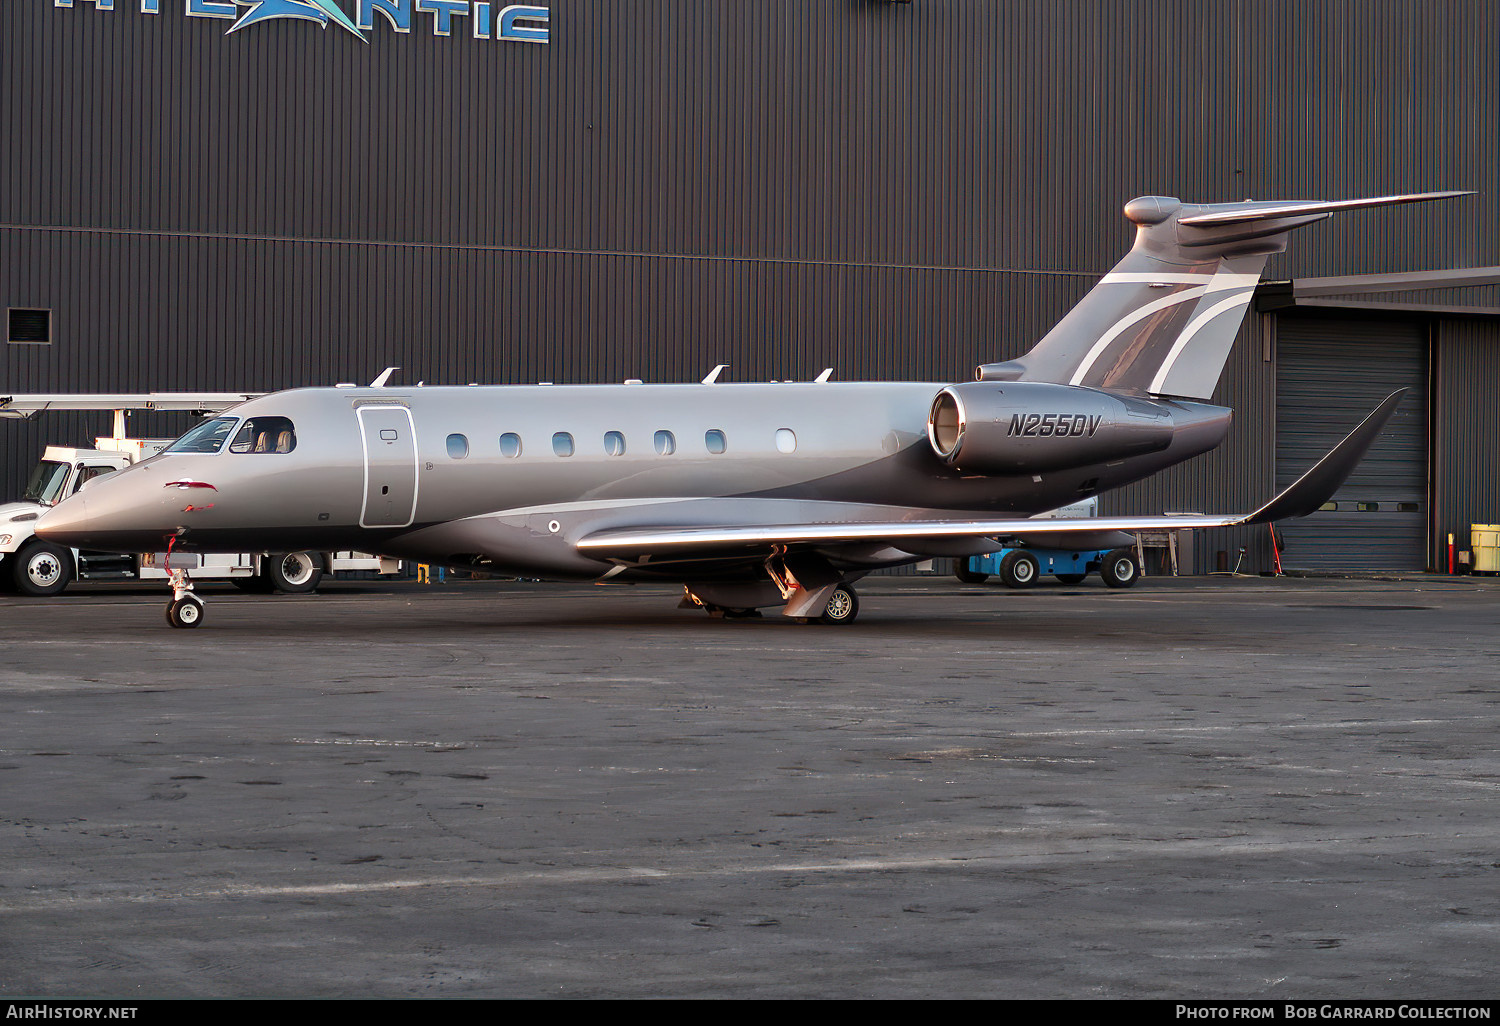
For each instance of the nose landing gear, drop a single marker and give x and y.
(185, 609)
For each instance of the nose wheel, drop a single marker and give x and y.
(185, 612)
(185, 609)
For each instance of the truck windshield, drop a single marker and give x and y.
(46, 483)
(206, 437)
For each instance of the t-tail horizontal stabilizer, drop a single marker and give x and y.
(1250, 210)
(1163, 320)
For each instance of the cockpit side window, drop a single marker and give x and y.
(206, 437)
(265, 435)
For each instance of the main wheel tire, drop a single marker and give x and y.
(185, 612)
(1120, 569)
(293, 572)
(1071, 578)
(41, 569)
(963, 573)
(1019, 569)
(843, 606)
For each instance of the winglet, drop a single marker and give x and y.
(1317, 486)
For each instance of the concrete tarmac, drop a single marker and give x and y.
(1198, 788)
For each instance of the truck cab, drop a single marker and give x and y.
(35, 567)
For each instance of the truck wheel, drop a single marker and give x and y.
(41, 568)
(1119, 568)
(293, 572)
(1019, 569)
(963, 573)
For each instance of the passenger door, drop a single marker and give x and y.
(390, 448)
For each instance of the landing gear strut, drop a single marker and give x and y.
(185, 609)
(811, 587)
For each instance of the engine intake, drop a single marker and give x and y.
(997, 427)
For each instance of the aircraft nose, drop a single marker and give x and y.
(111, 514)
(67, 523)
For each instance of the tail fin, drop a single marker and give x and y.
(1163, 321)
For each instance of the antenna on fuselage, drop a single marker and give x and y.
(823, 378)
(384, 376)
(713, 375)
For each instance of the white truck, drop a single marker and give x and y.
(35, 567)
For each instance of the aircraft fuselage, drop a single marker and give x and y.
(516, 474)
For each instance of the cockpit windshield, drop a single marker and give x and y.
(206, 437)
(46, 483)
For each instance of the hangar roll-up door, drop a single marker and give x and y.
(1329, 374)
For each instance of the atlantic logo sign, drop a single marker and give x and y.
(483, 19)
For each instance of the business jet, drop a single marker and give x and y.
(748, 495)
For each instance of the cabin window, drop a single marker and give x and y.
(458, 447)
(562, 444)
(666, 443)
(265, 435)
(714, 439)
(510, 444)
(614, 443)
(786, 440)
(206, 437)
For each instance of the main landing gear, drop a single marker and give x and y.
(185, 609)
(843, 606)
(831, 604)
(811, 588)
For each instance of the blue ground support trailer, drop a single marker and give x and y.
(1021, 568)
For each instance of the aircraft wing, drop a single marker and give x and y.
(631, 542)
(667, 541)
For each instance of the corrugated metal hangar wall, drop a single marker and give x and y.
(896, 190)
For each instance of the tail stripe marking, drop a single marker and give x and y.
(1217, 282)
(1239, 300)
(1151, 278)
(1135, 317)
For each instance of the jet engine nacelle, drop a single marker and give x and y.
(997, 427)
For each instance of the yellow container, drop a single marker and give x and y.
(1486, 545)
